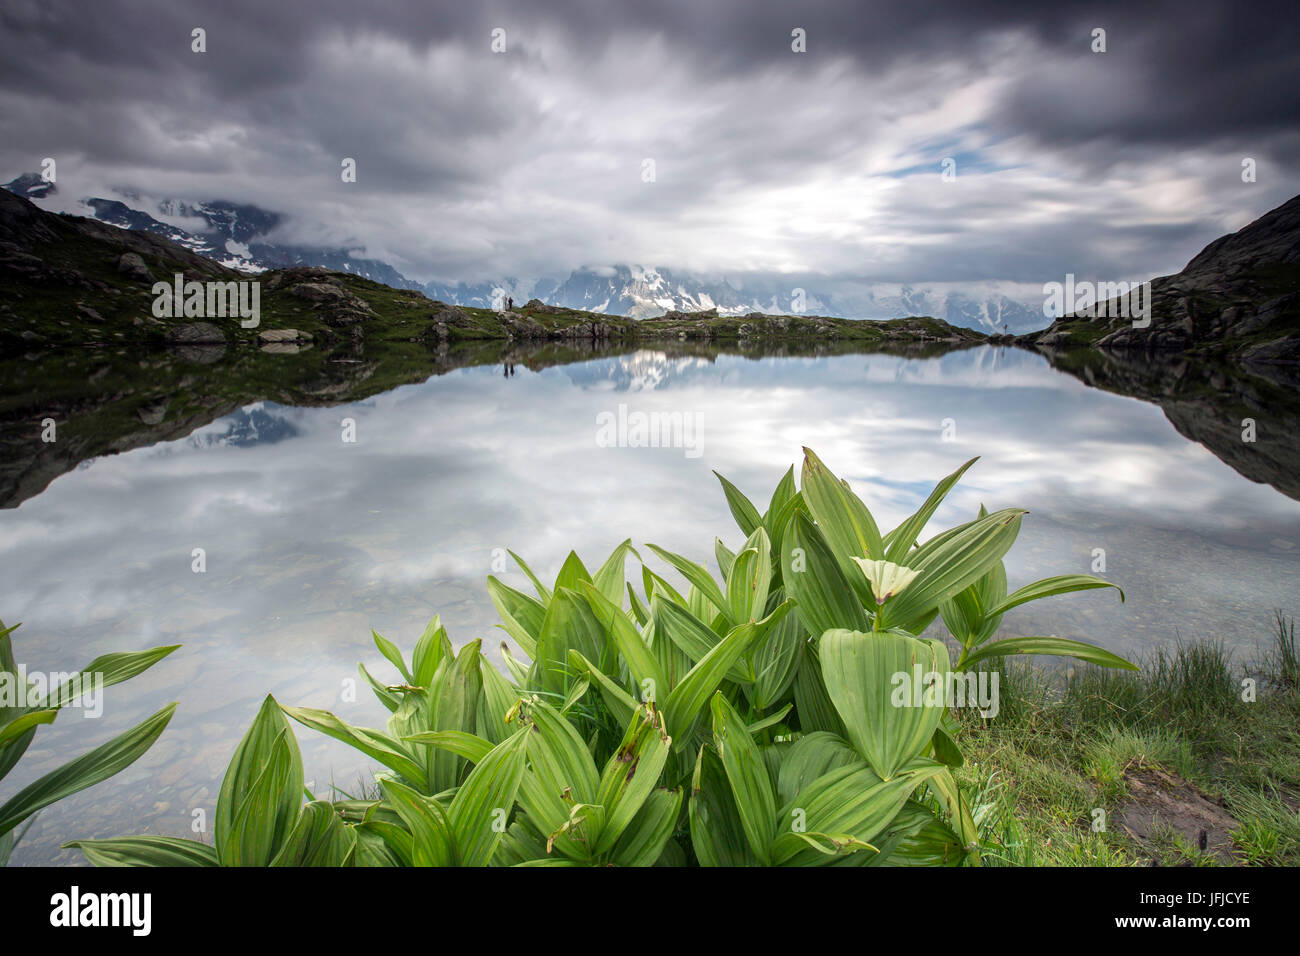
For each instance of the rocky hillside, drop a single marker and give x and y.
(1238, 299)
(71, 281)
(80, 346)
(239, 235)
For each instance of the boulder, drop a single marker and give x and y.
(195, 333)
(320, 292)
(131, 265)
(153, 414)
(272, 336)
(538, 306)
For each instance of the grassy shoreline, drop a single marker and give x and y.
(1141, 745)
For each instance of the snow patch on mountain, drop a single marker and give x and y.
(241, 236)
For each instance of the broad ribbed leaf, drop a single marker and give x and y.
(697, 575)
(750, 784)
(521, 615)
(1055, 646)
(950, 563)
(261, 793)
(560, 760)
(427, 840)
(320, 838)
(849, 802)
(610, 577)
(390, 699)
(902, 538)
(632, 773)
(641, 661)
(499, 695)
(481, 808)
(472, 748)
(380, 843)
(812, 576)
(889, 689)
(433, 647)
(85, 771)
(683, 628)
(1049, 587)
(717, 833)
(643, 842)
(810, 758)
(638, 606)
(781, 495)
(742, 509)
(561, 774)
(654, 585)
(688, 697)
(724, 556)
(570, 625)
(946, 750)
(372, 851)
(521, 844)
(452, 705)
(393, 655)
(146, 851)
(110, 669)
(692, 637)
(776, 661)
(944, 787)
(572, 573)
(779, 522)
(389, 751)
(620, 703)
(543, 591)
(924, 839)
(749, 579)
(811, 701)
(844, 519)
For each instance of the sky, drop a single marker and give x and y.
(683, 134)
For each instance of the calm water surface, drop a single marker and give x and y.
(310, 541)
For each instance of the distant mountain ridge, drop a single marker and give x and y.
(234, 235)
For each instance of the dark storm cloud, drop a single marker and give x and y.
(474, 165)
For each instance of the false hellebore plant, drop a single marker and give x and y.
(747, 720)
(25, 706)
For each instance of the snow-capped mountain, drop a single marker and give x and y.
(31, 186)
(236, 235)
(257, 424)
(230, 235)
(986, 306)
(641, 293)
(643, 371)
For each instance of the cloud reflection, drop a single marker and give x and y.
(311, 541)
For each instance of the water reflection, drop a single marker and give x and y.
(311, 540)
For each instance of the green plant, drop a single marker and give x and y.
(751, 719)
(260, 820)
(24, 707)
(573, 814)
(1258, 842)
(1281, 663)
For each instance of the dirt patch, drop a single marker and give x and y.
(1160, 803)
